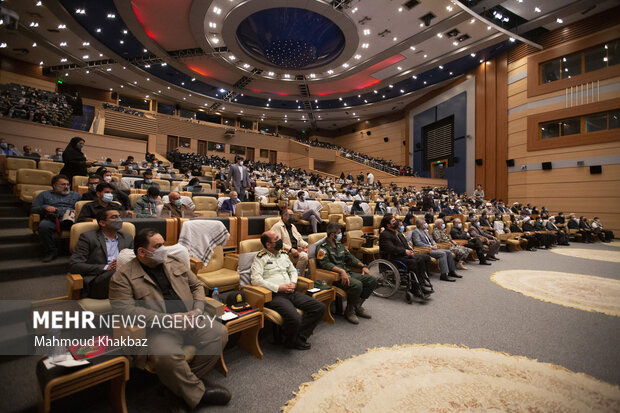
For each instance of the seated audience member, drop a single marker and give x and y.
(421, 238)
(9, 149)
(193, 185)
(165, 285)
(119, 195)
(129, 161)
(474, 243)
(394, 246)
(51, 206)
(486, 238)
(105, 199)
(562, 236)
(292, 240)
(584, 227)
(29, 154)
(95, 253)
(560, 220)
(146, 207)
(484, 220)
(91, 194)
(57, 157)
(574, 223)
(176, 207)
(357, 209)
(515, 228)
(409, 218)
(272, 269)
(604, 234)
(479, 192)
(230, 204)
(307, 213)
(147, 182)
(440, 236)
(332, 255)
(550, 237)
(542, 240)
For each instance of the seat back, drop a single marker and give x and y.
(354, 223)
(19, 163)
(164, 185)
(205, 203)
(133, 198)
(231, 226)
(78, 207)
(82, 227)
(167, 227)
(53, 167)
(27, 191)
(250, 245)
(217, 260)
(247, 209)
(448, 227)
(34, 177)
(334, 208)
(314, 238)
(250, 227)
(270, 222)
(79, 180)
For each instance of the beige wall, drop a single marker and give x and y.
(10, 77)
(560, 189)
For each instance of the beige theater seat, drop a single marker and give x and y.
(247, 209)
(31, 180)
(164, 185)
(54, 167)
(221, 272)
(270, 222)
(13, 164)
(355, 239)
(79, 180)
(205, 206)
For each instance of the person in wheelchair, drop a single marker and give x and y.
(394, 247)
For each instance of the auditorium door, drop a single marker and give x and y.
(273, 156)
(249, 154)
(438, 169)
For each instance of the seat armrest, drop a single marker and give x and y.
(33, 222)
(231, 263)
(75, 284)
(195, 264)
(257, 296)
(444, 245)
(304, 284)
(460, 242)
(422, 250)
(356, 243)
(328, 276)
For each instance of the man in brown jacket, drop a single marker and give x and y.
(167, 289)
(292, 241)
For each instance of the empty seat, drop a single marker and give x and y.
(54, 167)
(13, 164)
(31, 180)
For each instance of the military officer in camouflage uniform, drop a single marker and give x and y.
(273, 270)
(333, 256)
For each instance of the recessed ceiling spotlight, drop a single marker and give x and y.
(560, 21)
(345, 65)
(231, 57)
(402, 91)
(145, 51)
(312, 75)
(287, 76)
(425, 82)
(61, 60)
(481, 60)
(85, 56)
(111, 16)
(512, 39)
(39, 3)
(125, 31)
(365, 46)
(271, 74)
(62, 26)
(414, 77)
(34, 44)
(375, 92)
(395, 38)
(425, 56)
(412, 47)
(366, 32)
(365, 101)
(439, 35)
(383, 96)
(354, 10)
(246, 66)
(472, 54)
(440, 66)
(449, 8)
(488, 27)
(98, 30)
(358, 56)
(135, 82)
(85, 43)
(400, 9)
(537, 9)
(450, 73)
(329, 72)
(147, 66)
(212, 25)
(215, 40)
(63, 44)
(41, 63)
(269, 100)
(421, 24)
(164, 64)
(472, 21)
(122, 42)
(34, 24)
(109, 69)
(148, 79)
(66, 74)
(455, 43)
(217, 10)
(399, 68)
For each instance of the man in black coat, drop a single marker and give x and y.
(394, 246)
(543, 240)
(475, 244)
(95, 254)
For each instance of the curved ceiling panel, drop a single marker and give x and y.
(166, 22)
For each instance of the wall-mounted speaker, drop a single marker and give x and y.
(404, 143)
(114, 95)
(479, 161)
(596, 169)
(546, 166)
(418, 146)
(580, 163)
(510, 162)
(386, 139)
(455, 160)
(368, 133)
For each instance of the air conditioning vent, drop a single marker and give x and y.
(411, 4)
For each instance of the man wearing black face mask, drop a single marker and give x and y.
(95, 254)
(272, 269)
(292, 240)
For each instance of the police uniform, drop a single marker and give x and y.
(360, 285)
(270, 271)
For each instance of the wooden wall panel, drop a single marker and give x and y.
(480, 124)
(489, 166)
(501, 186)
(360, 141)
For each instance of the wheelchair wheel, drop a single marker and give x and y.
(388, 278)
(409, 297)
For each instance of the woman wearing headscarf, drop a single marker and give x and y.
(74, 160)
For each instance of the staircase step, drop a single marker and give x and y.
(12, 212)
(17, 236)
(34, 289)
(20, 250)
(13, 222)
(32, 267)
(12, 202)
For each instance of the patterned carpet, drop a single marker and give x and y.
(584, 292)
(438, 378)
(601, 255)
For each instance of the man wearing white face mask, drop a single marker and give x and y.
(176, 207)
(166, 287)
(105, 199)
(307, 213)
(95, 254)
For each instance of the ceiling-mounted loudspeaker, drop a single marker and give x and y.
(596, 169)
(510, 162)
(546, 166)
(368, 133)
(386, 139)
(479, 161)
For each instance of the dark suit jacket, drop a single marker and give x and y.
(90, 254)
(238, 182)
(392, 245)
(90, 210)
(227, 206)
(572, 224)
(142, 185)
(459, 233)
(528, 227)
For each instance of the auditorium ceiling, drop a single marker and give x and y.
(298, 63)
